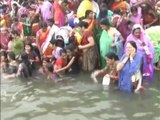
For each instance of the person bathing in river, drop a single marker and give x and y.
(61, 61)
(145, 47)
(109, 73)
(12, 65)
(129, 67)
(3, 61)
(24, 69)
(32, 55)
(72, 66)
(51, 75)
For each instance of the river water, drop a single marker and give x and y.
(76, 98)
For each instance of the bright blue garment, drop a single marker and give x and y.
(129, 69)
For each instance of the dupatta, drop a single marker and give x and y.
(105, 43)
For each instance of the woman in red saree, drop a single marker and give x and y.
(88, 47)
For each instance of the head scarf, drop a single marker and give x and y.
(136, 26)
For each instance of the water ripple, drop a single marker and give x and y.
(142, 114)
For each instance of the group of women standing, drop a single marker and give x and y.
(53, 36)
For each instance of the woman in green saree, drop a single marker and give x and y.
(109, 41)
(154, 34)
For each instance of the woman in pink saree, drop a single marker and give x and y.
(145, 46)
(59, 12)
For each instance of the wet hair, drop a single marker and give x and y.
(12, 55)
(87, 13)
(83, 24)
(117, 11)
(65, 1)
(69, 47)
(25, 4)
(53, 42)
(72, 40)
(15, 4)
(24, 15)
(36, 50)
(134, 9)
(46, 59)
(60, 41)
(133, 44)
(44, 25)
(63, 51)
(16, 9)
(112, 55)
(15, 19)
(15, 33)
(4, 8)
(51, 20)
(25, 60)
(3, 53)
(49, 67)
(103, 11)
(28, 42)
(24, 56)
(105, 21)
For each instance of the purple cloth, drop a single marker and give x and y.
(45, 10)
(124, 29)
(137, 19)
(147, 68)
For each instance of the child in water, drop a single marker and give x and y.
(109, 73)
(50, 72)
(3, 61)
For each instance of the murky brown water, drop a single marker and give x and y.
(76, 98)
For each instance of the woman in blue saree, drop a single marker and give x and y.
(145, 47)
(129, 67)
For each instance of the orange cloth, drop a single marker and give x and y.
(42, 37)
(121, 4)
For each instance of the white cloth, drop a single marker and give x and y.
(54, 29)
(65, 31)
(106, 80)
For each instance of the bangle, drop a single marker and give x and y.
(125, 60)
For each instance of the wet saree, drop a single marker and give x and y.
(89, 55)
(129, 69)
(147, 67)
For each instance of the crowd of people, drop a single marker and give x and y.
(116, 39)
